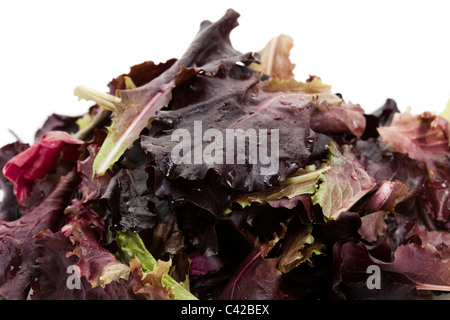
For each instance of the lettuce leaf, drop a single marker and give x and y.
(97, 264)
(343, 185)
(18, 242)
(136, 107)
(257, 278)
(373, 225)
(39, 160)
(349, 191)
(331, 114)
(425, 138)
(298, 247)
(425, 259)
(302, 182)
(275, 60)
(131, 246)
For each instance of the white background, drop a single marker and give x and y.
(368, 51)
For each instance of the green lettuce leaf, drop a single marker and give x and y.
(343, 185)
(303, 181)
(298, 247)
(131, 246)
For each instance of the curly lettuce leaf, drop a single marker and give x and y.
(18, 242)
(302, 182)
(229, 104)
(51, 282)
(97, 264)
(131, 246)
(373, 225)
(299, 246)
(424, 137)
(210, 49)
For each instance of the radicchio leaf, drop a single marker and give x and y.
(39, 160)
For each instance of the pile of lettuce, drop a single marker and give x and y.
(101, 196)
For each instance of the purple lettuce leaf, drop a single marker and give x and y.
(231, 104)
(350, 262)
(386, 198)
(380, 117)
(57, 122)
(207, 193)
(373, 225)
(50, 282)
(425, 259)
(18, 239)
(127, 204)
(96, 263)
(425, 138)
(257, 278)
(138, 106)
(140, 75)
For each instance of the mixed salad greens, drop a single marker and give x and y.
(102, 195)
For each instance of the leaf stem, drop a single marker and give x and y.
(100, 119)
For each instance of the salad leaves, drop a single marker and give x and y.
(218, 175)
